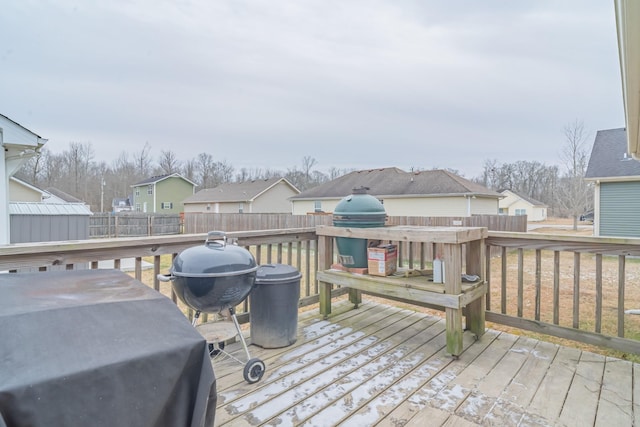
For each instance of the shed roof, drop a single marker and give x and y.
(609, 157)
(394, 182)
(35, 208)
(246, 191)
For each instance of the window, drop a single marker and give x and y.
(149, 189)
(502, 211)
(137, 191)
(317, 206)
(138, 207)
(167, 205)
(521, 211)
(240, 207)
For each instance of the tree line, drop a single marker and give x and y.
(77, 172)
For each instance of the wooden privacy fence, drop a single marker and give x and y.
(108, 225)
(195, 222)
(408, 253)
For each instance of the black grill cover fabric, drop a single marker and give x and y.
(98, 348)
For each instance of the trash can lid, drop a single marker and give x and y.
(276, 273)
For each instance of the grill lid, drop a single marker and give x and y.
(215, 258)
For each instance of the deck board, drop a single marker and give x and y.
(386, 366)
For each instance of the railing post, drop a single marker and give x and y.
(325, 257)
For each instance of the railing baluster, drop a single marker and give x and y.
(598, 293)
(556, 287)
(538, 283)
(279, 252)
(503, 288)
(410, 255)
(487, 275)
(576, 290)
(269, 251)
(289, 252)
(520, 280)
(621, 288)
(156, 271)
(138, 268)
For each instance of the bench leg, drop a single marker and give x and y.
(355, 297)
(325, 299)
(475, 317)
(454, 331)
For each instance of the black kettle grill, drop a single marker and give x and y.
(214, 278)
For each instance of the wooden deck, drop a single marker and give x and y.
(385, 366)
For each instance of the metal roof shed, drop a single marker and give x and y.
(47, 222)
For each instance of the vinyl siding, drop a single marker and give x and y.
(20, 193)
(619, 208)
(274, 200)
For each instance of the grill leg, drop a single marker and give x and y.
(232, 312)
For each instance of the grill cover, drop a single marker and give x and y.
(99, 348)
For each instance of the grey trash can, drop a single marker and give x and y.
(273, 306)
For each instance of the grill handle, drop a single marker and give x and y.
(216, 238)
(165, 277)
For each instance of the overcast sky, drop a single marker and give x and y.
(353, 84)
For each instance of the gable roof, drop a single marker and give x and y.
(63, 196)
(158, 178)
(609, 157)
(526, 198)
(24, 136)
(246, 191)
(394, 182)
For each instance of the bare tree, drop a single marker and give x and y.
(204, 168)
(142, 162)
(125, 175)
(168, 162)
(574, 192)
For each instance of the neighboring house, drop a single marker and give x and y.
(162, 194)
(21, 191)
(518, 204)
(121, 204)
(616, 178)
(257, 196)
(425, 193)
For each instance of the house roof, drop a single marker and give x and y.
(609, 157)
(34, 208)
(158, 178)
(246, 191)
(394, 182)
(62, 195)
(524, 197)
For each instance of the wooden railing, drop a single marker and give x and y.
(572, 287)
(566, 286)
(295, 247)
